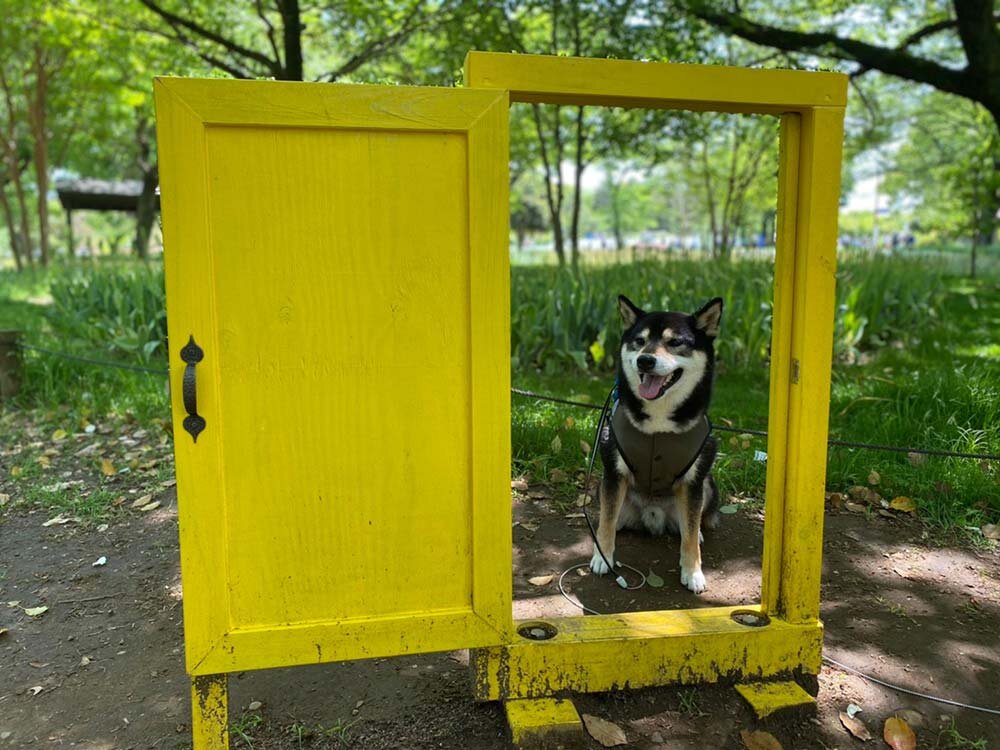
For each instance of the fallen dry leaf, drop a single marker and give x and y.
(903, 503)
(917, 459)
(44, 461)
(836, 500)
(855, 726)
(874, 477)
(991, 531)
(558, 475)
(569, 422)
(605, 732)
(898, 735)
(35, 611)
(585, 447)
(58, 520)
(15, 471)
(542, 580)
(107, 468)
(519, 484)
(144, 500)
(151, 506)
(759, 740)
(854, 507)
(556, 444)
(59, 435)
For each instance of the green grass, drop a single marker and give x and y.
(939, 390)
(112, 311)
(950, 738)
(916, 353)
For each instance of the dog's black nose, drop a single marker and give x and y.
(646, 362)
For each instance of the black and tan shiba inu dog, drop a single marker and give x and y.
(657, 447)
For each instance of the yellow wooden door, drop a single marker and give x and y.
(339, 256)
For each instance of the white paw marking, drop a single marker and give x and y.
(597, 564)
(694, 580)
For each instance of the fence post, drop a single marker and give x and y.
(10, 364)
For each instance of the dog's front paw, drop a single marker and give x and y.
(597, 564)
(694, 580)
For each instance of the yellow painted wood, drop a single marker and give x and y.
(210, 712)
(781, 366)
(335, 250)
(543, 722)
(766, 698)
(610, 652)
(811, 359)
(626, 83)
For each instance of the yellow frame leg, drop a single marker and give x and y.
(210, 712)
(544, 723)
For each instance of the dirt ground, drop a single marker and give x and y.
(103, 667)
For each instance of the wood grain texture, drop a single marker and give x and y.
(340, 253)
(781, 360)
(643, 649)
(812, 345)
(627, 83)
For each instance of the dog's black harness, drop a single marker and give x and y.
(658, 459)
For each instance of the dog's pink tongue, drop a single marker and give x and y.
(651, 385)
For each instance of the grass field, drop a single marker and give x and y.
(917, 365)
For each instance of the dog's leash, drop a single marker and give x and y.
(620, 580)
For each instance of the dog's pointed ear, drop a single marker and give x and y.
(630, 313)
(708, 318)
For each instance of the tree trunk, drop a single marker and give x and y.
(145, 212)
(553, 199)
(22, 208)
(291, 21)
(577, 179)
(8, 217)
(37, 118)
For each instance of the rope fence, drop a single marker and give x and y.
(567, 402)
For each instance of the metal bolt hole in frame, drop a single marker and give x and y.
(317, 233)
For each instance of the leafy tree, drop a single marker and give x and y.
(286, 40)
(952, 46)
(574, 135)
(948, 163)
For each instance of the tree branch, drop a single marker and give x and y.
(895, 62)
(262, 14)
(377, 46)
(176, 21)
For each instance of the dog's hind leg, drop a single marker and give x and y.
(612, 494)
(689, 506)
(710, 515)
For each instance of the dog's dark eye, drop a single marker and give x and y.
(675, 342)
(639, 341)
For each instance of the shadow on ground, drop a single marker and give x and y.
(103, 668)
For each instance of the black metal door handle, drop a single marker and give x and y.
(192, 355)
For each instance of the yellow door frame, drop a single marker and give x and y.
(587, 653)
(684, 646)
